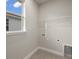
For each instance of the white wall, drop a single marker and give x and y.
(20, 44)
(57, 15)
(54, 12)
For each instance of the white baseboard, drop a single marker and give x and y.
(45, 49)
(30, 54)
(52, 51)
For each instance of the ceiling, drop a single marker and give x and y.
(41, 1)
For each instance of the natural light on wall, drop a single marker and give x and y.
(15, 16)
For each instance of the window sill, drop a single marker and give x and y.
(15, 32)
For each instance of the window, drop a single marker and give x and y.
(15, 20)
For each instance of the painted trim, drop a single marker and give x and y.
(52, 51)
(11, 33)
(45, 49)
(30, 54)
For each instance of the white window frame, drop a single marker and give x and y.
(23, 22)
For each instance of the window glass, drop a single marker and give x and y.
(14, 6)
(14, 19)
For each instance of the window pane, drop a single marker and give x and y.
(14, 7)
(13, 15)
(14, 22)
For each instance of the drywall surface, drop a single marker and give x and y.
(56, 23)
(20, 44)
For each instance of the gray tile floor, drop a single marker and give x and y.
(40, 54)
